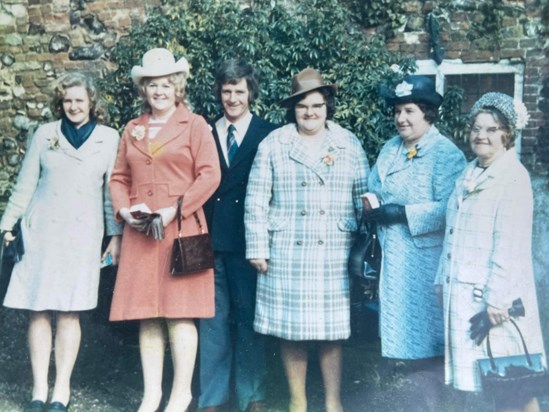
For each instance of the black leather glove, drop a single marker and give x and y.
(481, 324)
(387, 214)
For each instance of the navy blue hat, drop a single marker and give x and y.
(413, 89)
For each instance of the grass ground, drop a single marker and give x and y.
(107, 376)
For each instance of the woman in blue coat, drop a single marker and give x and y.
(413, 178)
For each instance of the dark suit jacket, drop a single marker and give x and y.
(225, 209)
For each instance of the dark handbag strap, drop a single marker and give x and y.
(489, 348)
(179, 217)
(371, 230)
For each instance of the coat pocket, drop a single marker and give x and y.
(176, 190)
(276, 223)
(347, 224)
(429, 240)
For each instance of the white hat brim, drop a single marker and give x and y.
(138, 72)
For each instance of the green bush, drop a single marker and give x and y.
(387, 16)
(280, 42)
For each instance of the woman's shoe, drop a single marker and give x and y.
(57, 407)
(35, 406)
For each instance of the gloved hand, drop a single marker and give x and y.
(481, 323)
(138, 224)
(480, 326)
(168, 214)
(388, 214)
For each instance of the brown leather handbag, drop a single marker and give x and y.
(191, 254)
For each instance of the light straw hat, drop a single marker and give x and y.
(159, 62)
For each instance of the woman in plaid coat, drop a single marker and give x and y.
(486, 263)
(302, 210)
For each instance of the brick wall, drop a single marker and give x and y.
(521, 37)
(41, 38)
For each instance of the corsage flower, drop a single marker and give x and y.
(404, 89)
(54, 143)
(412, 152)
(138, 132)
(469, 186)
(328, 160)
(469, 183)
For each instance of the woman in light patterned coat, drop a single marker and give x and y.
(413, 177)
(487, 260)
(302, 210)
(63, 199)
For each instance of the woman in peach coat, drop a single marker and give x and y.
(166, 153)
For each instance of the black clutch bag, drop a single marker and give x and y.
(11, 254)
(191, 254)
(521, 375)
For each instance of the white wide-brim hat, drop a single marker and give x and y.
(159, 62)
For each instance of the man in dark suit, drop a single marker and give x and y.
(228, 343)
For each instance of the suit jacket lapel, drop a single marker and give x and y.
(222, 161)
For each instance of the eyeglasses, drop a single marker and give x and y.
(490, 131)
(314, 107)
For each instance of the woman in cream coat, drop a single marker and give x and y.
(63, 199)
(487, 263)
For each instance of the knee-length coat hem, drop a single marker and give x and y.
(411, 322)
(63, 198)
(180, 161)
(488, 246)
(301, 214)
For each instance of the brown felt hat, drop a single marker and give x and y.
(307, 80)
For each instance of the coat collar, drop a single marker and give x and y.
(169, 132)
(91, 146)
(330, 150)
(489, 178)
(389, 161)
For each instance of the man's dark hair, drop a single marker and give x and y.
(231, 72)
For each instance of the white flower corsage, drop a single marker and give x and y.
(522, 114)
(469, 182)
(54, 143)
(469, 186)
(404, 89)
(138, 132)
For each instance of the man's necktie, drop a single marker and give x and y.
(232, 145)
